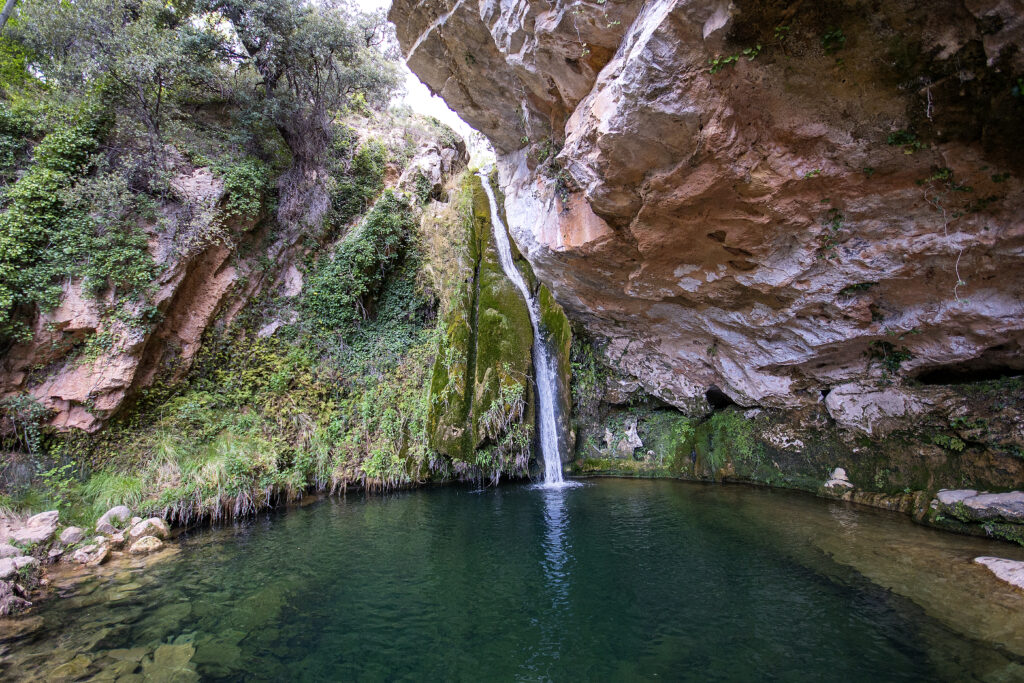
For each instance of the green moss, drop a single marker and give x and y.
(481, 401)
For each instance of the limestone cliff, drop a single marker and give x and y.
(781, 204)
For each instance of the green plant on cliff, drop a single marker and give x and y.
(338, 293)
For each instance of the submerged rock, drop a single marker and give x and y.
(146, 544)
(1010, 571)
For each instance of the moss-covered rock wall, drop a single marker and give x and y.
(481, 405)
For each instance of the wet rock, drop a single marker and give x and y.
(71, 535)
(113, 519)
(154, 526)
(92, 555)
(1010, 571)
(37, 528)
(146, 544)
(838, 479)
(12, 601)
(172, 663)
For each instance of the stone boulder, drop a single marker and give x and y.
(91, 555)
(838, 479)
(146, 544)
(37, 528)
(9, 566)
(71, 535)
(12, 599)
(8, 550)
(970, 506)
(154, 526)
(113, 519)
(1010, 571)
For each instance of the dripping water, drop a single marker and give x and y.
(542, 359)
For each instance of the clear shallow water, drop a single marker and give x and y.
(614, 580)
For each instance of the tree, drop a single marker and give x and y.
(312, 60)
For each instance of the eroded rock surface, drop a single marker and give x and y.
(821, 210)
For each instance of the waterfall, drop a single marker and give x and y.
(542, 360)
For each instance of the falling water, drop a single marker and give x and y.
(542, 359)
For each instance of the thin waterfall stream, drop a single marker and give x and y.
(541, 357)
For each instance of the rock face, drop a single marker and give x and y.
(761, 200)
(95, 363)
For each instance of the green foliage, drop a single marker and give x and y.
(357, 182)
(26, 416)
(339, 292)
(907, 140)
(719, 62)
(833, 41)
(56, 227)
(246, 186)
(951, 443)
(890, 357)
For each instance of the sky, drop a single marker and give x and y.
(417, 96)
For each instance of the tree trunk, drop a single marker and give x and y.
(6, 14)
(303, 199)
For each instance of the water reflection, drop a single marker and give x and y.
(556, 548)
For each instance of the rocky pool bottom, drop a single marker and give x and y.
(617, 579)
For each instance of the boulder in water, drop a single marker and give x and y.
(1010, 571)
(838, 479)
(154, 526)
(146, 544)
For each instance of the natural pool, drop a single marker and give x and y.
(614, 580)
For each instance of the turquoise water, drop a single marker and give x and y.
(615, 580)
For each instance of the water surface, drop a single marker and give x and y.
(614, 580)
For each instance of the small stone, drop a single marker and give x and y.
(117, 540)
(135, 520)
(146, 544)
(71, 535)
(154, 526)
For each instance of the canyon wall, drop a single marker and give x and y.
(777, 204)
